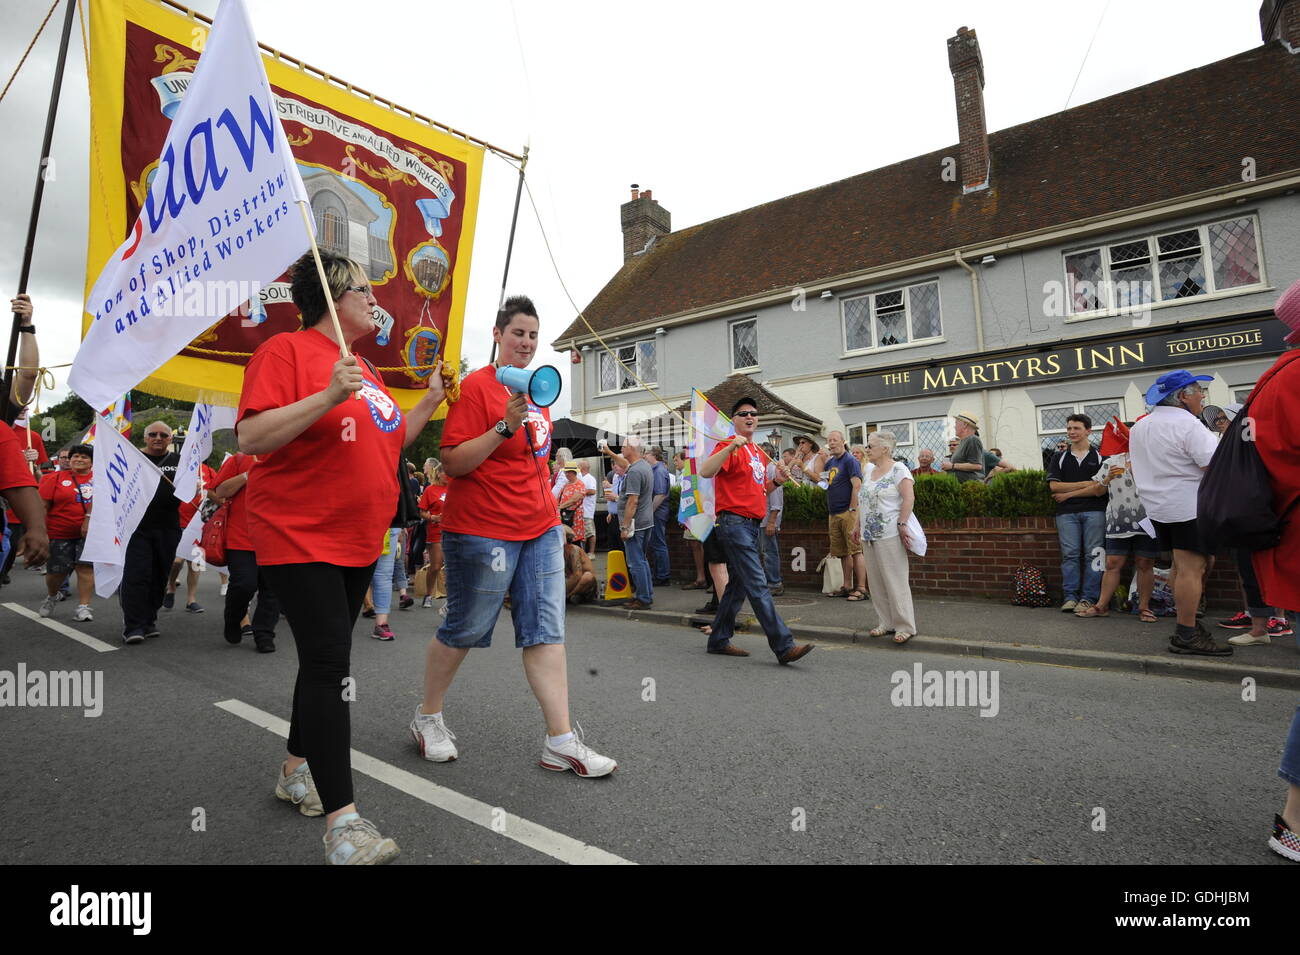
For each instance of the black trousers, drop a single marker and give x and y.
(245, 581)
(415, 558)
(321, 603)
(149, 557)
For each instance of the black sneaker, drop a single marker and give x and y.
(710, 607)
(193, 608)
(169, 601)
(405, 603)
(135, 636)
(265, 645)
(152, 630)
(1202, 644)
(368, 612)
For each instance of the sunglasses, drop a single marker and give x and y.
(156, 434)
(745, 414)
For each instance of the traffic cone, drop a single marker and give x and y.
(618, 586)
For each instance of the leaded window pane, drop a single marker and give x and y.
(1179, 242)
(1130, 253)
(609, 372)
(901, 430)
(932, 434)
(1234, 254)
(1182, 278)
(1132, 286)
(857, 323)
(891, 318)
(1053, 419)
(924, 302)
(648, 362)
(744, 344)
(1083, 278)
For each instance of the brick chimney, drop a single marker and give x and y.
(1280, 20)
(968, 84)
(643, 219)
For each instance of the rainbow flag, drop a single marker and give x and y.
(708, 427)
(118, 414)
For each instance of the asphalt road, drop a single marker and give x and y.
(722, 765)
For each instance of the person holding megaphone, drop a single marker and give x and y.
(501, 534)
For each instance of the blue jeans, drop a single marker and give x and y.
(388, 571)
(739, 539)
(658, 551)
(1083, 542)
(638, 568)
(482, 570)
(771, 556)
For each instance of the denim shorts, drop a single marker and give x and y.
(481, 571)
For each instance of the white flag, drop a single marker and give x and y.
(204, 420)
(219, 221)
(125, 483)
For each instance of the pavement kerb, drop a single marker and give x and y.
(1223, 671)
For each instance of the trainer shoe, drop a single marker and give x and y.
(433, 737)
(1200, 645)
(61, 595)
(1238, 621)
(152, 630)
(300, 789)
(1082, 605)
(577, 756)
(382, 632)
(47, 606)
(265, 644)
(1069, 606)
(193, 608)
(368, 613)
(135, 636)
(1248, 639)
(358, 842)
(1283, 841)
(427, 604)
(1277, 627)
(83, 613)
(169, 601)
(405, 603)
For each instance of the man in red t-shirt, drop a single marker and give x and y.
(740, 492)
(500, 535)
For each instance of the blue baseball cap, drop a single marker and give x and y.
(1170, 382)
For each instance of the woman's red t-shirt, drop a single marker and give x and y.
(69, 495)
(508, 496)
(330, 493)
(237, 537)
(431, 501)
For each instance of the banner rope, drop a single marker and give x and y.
(690, 427)
(39, 30)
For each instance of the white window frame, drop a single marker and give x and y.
(731, 343)
(636, 356)
(847, 352)
(1241, 392)
(857, 434)
(1076, 407)
(1106, 290)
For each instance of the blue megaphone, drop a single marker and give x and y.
(542, 386)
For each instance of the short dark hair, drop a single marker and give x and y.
(305, 286)
(1083, 419)
(515, 305)
(740, 403)
(85, 449)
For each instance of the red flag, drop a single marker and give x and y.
(1114, 438)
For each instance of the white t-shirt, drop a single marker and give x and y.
(589, 502)
(558, 484)
(1167, 450)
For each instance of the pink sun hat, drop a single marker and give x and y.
(1288, 310)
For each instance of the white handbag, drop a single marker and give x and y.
(832, 574)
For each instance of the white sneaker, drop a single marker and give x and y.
(47, 607)
(358, 842)
(83, 613)
(433, 737)
(1247, 640)
(577, 756)
(427, 604)
(300, 789)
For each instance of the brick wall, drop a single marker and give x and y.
(973, 557)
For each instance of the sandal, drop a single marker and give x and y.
(696, 585)
(878, 632)
(842, 592)
(1146, 616)
(856, 595)
(901, 638)
(1092, 612)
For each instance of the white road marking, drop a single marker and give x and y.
(530, 834)
(57, 627)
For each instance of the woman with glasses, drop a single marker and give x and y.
(67, 497)
(317, 544)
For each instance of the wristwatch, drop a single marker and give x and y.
(503, 429)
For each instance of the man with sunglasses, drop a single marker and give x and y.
(152, 547)
(740, 492)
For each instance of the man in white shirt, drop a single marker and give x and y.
(1169, 450)
(588, 506)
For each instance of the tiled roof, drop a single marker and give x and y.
(1174, 137)
(731, 389)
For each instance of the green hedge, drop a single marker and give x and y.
(805, 504)
(1020, 494)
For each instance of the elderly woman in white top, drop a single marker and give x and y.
(884, 506)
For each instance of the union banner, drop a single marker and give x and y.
(392, 192)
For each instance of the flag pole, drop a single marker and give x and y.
(6, 404)
(510, 245)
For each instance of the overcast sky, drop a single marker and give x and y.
(716, 106)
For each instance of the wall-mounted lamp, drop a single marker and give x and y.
(586, 348)
(989, 260)
(661, 330)
(827, 293)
